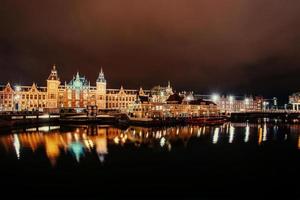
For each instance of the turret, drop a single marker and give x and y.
(53, 83)
(101, 90)
(169, 89)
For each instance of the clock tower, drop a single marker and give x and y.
(101, 91)
(53, 83)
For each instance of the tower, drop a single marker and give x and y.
(101, 91)
(53, 83)
(169, 89)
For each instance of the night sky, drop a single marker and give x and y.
(226, 46)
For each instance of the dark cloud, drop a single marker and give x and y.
(227, 46)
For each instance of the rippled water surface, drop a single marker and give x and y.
(232, 160)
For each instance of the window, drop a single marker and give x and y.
(52, 96)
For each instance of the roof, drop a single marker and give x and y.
(78, 82)
(143, 98)
(175, 98)
(101, 78)
(53, 75)
(201, 102)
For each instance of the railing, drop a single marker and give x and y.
(267, 111)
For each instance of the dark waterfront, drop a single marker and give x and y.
(238, 160)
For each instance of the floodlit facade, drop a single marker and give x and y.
(77, 93)
(294, 101)
(176, 105)
(80, 93)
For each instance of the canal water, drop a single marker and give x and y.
(235, 160)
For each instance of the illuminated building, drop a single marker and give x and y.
(78, 93)
(229, 104)
(176, 105)
(294, 100)
(22, 97)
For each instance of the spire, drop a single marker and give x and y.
(53, 75)
(141, 92)
(101, 78)
(169, 84)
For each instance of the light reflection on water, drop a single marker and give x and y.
(83, 140)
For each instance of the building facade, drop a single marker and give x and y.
(80, 93)
(176, 105)
(230, 104)
(77, 93)
(294, 101)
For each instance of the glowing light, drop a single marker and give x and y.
(231, 134)
(101, 148)
(298, 141)
(199, 132)
(17, 97)
(116, 140)
(231, 99)
(18, 88)
(216, 136)
(44, 128)
(265, 132)
(46, 116)
(247, 133)
(52, 150)
(247, 101)
(260, 135)
(162, 142)
(215, 97)
(169, 147)
(77, 149)
(17, 145)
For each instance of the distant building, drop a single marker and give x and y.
(176, 105)
(229, 103)
(294, 101)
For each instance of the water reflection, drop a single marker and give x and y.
(247, 133)
(87, 140)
